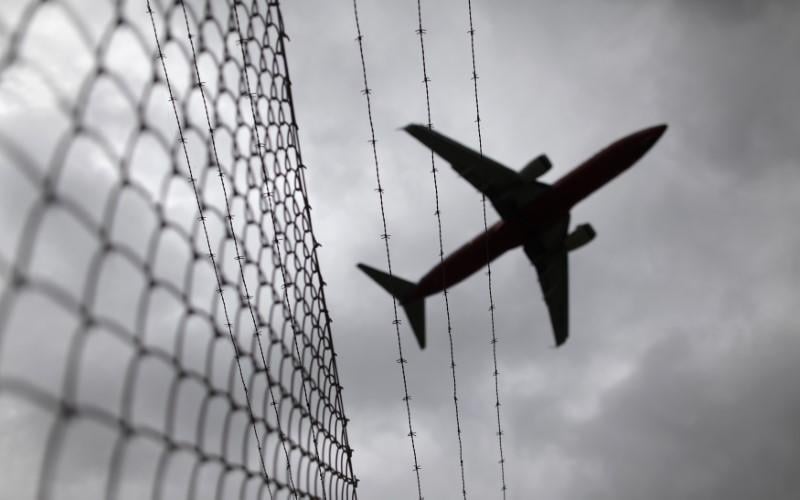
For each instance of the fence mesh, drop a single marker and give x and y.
(163, 325)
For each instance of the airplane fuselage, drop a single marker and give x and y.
(545, 210)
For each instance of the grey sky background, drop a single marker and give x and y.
(678, 379)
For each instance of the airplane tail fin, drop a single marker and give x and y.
(401, 290)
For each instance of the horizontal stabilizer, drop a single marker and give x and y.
(401, 290)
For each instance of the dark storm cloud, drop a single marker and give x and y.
(740, 71)
(703, 420)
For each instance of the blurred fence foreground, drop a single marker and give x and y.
(163, 326)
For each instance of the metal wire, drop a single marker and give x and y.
(163, 325)
(493, 341)
(420, 31)
(401, 360)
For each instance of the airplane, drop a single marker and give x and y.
(533, 214)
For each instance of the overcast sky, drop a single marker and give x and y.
(678, 380)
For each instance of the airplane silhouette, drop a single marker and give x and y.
(533, 214)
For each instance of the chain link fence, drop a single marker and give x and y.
(163, 326)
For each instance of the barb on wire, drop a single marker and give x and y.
(212, 258)
(401, 360)
(296, 331)
(420, 31)
(493, 341)
(239, 258)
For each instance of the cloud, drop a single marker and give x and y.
(696, 239)
(699, 419)
(677, 379)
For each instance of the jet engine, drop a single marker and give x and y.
(582, 235)
(535, 168)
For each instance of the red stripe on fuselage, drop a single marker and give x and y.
(548, 208)
(473, 255)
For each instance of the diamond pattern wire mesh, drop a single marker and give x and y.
(118, 376)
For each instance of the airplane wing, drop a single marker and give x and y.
(551, 266)
(498, 182)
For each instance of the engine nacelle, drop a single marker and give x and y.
(582, 235)
(535, 168)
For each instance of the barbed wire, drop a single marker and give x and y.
(202, 217)
(275, 225)
(401, 360)
(420, 31)
(162, 334)
(493, 341)
(326, 325)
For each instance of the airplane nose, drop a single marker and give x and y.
(659, 130)
(653, 134)
(648, 137)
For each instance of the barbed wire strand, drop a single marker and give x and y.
(211, 256)
(238, 256)
(493, 341)
(402, 361)
(286, 283)
(420, 31)
(315, 262)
